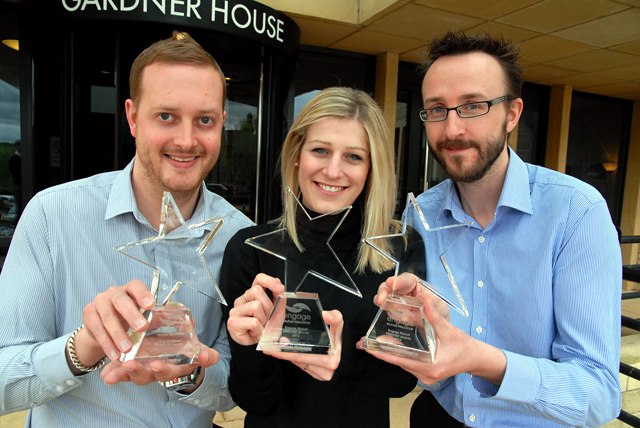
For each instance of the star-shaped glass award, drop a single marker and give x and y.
(400, 326)
(176, 257)
(295, 323)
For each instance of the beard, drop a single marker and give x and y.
(183, 182)
(487, 156)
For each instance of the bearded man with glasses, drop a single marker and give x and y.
(539, 268)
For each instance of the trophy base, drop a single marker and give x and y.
(399, 350)
(168, 359)
(170, 338)
(296, 325)
(400, 328)
(279, 340)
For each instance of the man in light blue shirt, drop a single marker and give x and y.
(539, 268)
(61, 274)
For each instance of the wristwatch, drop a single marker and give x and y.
(179, 383)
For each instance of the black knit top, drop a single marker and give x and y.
(275, 393)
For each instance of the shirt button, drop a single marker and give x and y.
(478, 329)
(480, 284)
(472, 417)
(70, 382)
(481, 239)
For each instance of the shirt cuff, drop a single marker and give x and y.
(521, 380)
(50, 366)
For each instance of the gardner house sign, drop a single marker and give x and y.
(244, 18)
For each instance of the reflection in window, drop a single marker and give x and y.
(301, 100)
(317, 69)
(10, 154)
(598, 130)
(235, 172)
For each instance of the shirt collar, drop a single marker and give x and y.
(122, 200)
(515, 192)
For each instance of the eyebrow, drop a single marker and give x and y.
(464, 96)
(169, 107)
(327, 143)
(361, 149)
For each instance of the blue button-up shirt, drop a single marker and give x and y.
(61, 256)
(542, 282)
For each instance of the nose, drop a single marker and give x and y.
(186, 135)
(333, 168)
(454, 126)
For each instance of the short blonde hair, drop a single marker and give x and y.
(380, 189)
(179, 48)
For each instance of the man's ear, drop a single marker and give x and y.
(513, 115)
(132, 115)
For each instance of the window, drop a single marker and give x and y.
(10, 154)
(598, 133)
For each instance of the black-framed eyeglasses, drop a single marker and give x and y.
(465, 111)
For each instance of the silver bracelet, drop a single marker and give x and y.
(71, 349)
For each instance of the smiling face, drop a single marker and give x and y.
(177, 123)
(468, 148)
(333, 165)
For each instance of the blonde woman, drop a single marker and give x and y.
(338, 152)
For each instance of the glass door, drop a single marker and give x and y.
(235, 174)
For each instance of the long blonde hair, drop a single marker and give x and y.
(380, 189)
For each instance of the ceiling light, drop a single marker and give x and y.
(12, 43)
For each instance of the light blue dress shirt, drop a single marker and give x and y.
(61, 256)
(542, 282)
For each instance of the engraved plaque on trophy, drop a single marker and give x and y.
(296, 323)
(170, 337)
(400, 326)
(176, 256)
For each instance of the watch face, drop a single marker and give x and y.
(184, 382)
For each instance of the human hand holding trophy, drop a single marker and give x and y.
(296, 322)
(176, 256)
(400, 326)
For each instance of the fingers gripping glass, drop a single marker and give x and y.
(465, 111)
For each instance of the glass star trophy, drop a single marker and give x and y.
(295, 323)
(176, 256)
(400, 326)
